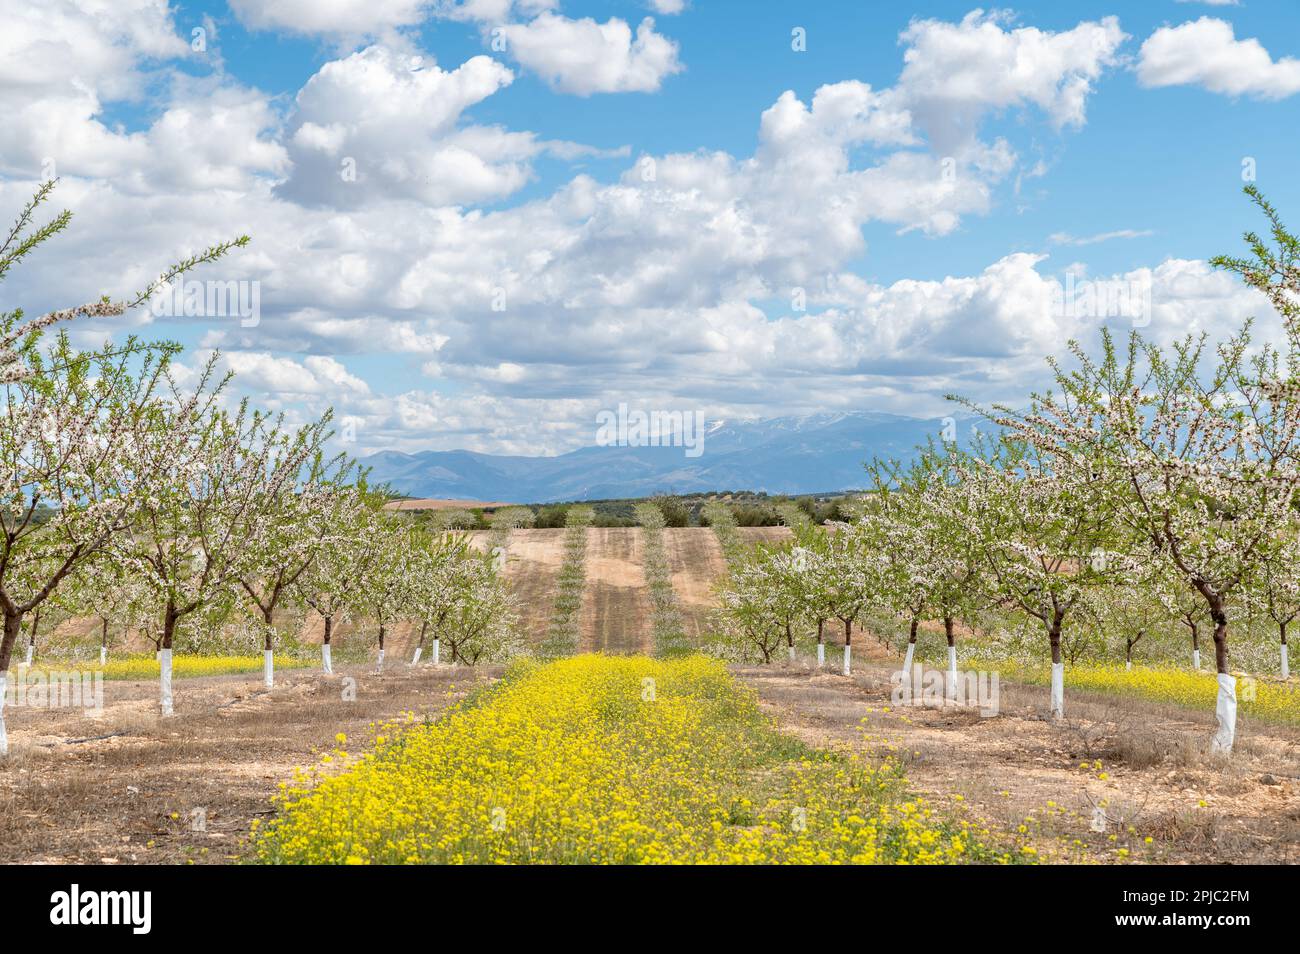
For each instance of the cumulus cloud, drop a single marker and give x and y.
(381, 123)
(586, 57)
(671, 279)
(955, 73)
(1206, 52)
(352, 18)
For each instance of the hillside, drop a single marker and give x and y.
(786, 455)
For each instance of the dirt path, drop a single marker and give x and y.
(1146, 767)
(139, 795)
(616, 604)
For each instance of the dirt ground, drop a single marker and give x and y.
(128, 787)
(615, 614)
(1148, 773)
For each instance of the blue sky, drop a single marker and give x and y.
(1099, 138)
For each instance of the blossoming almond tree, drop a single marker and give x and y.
(434, 587)
(1277, 587)
(925, 503)
(1182, 603)
(756, 607)
(387, 588)
(1046, 546)
(210, 509)
(1201, 462)
(70, 465)
(301, 520)
(331, 584)
(481, 625)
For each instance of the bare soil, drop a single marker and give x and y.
(1155, 780)
(130, 787)
(616, 602)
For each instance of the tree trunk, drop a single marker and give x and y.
(13, 626)
(848, 632)
(1225, 706)
(424, 628)
(820, 624)
(947, 630)
(1220, 617)
(31, 636)
(381, 635)
(327, 664)
(170, 618)
(911, 638)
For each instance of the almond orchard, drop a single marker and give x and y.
(1099, 536)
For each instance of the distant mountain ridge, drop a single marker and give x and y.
(781, 455)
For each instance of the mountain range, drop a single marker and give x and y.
(812, 453)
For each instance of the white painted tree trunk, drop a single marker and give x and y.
(907, 660)
(791, 648)
(165, 681)
(437, 651)
(268, 668)
(1128, 665)
(821, 655)
(30, 650)
(326, 663)
(103, 655)
(1196, 659)
(1058, 690)
(4, 736)
(848, 656)
(1225, 708)
(419, 651)
(380, 664)
(1286, 665)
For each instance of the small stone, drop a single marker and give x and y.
(1267, 779)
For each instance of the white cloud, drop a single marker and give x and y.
(1065, 238)
(350, 18)
(667, 281)
(384, 124)
(586, 57)
(668, 7)
(956, 72)
(1206, 52)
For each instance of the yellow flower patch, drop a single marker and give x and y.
(600, 759)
